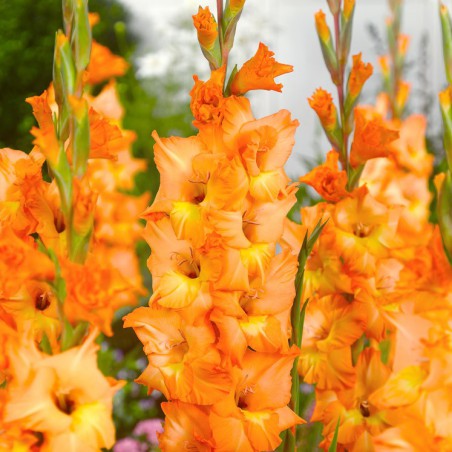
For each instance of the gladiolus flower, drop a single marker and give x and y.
(322, 27)
(206, 27)
(360, 72)
(236, 5)
(104, 65)
(259, 73)
(322, 103)
(327, 180)
(349, 6)
(207, 98)
(403, 91)
(64, 396)
(384, 65)
(372, 137)
(403, 43)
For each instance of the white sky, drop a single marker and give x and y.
(287, 27)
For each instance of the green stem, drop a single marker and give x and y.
(341, 95)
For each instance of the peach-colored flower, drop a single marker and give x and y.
(372, 137)
(327, 179)
(104, 65)
(206, 27)
(259, 73)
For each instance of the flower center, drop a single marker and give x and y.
(42, 301)
(362, 230)
(364, 408)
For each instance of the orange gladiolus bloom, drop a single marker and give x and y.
(321, 26)
(327, 180)
(106, 139)
(349, 5)
(372, 137)
(332, 325)
(207, 98)
(359, 73)
(236, 5)
(206, 27)
(95, 290)
(384, 63)
(190, 370)
(358, 410)
(259, 73)
(186, 427)
(255, 415)
(403, 43)
(21, 262)
(403, 92)
(104, 65)
(64, 396)
(322, 103)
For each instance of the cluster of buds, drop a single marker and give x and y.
(392, 65)
(68, 232)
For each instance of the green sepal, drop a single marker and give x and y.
(81, 35)
(68, 15)
(385, 349)
(330, 58)
(64, 79)
(444, 210)
(446, 114)
(353, 177)
(335, 6)
(72, 336)
(213, 56)
(229, 26)
(59, 284)
(335, 136)
(81, 136)
(346, 37)
(44, 344)
(227, 90)
(63, 176)
(357, 347)
(446, 28)
(80, 244)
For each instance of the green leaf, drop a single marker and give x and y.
(333, 446)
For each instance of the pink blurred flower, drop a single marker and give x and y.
(129, 445)
(149, 428)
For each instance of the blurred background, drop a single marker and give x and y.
(159, 41)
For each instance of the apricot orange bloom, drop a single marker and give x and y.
(207, 98)
(104, 65)
(359, 73)
(372, 137)
(322, 27)
(259, 73)
(215, 340)
(65, 397)
(327, 179)
(322, 103)
(349, 6)
(206, 27)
